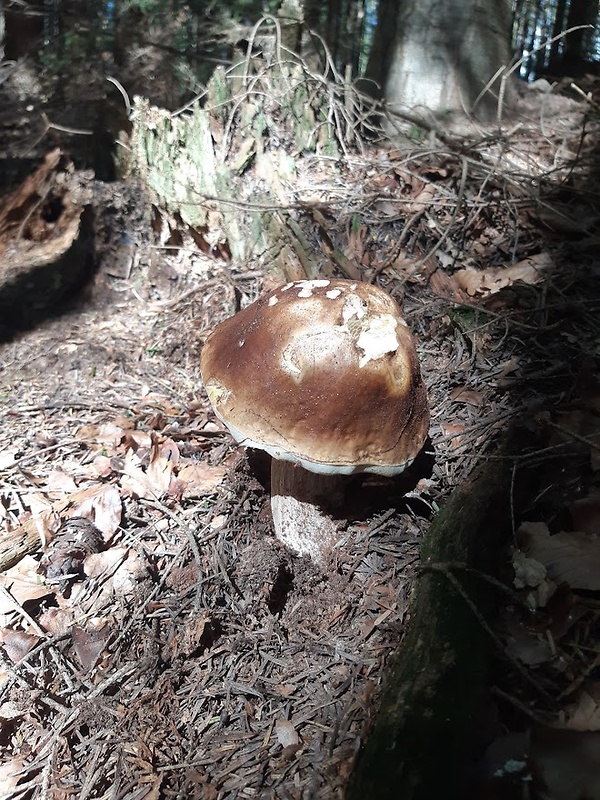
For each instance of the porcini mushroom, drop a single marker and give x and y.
(323, 375)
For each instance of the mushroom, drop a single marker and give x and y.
(323, 375)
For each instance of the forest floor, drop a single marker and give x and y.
(158, 641)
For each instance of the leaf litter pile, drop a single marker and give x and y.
(156, 640)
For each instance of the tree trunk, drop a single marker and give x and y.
(383, 46)
(425, 742)
(557, 45)
(579, 44)
(542, 34)
(24, 29)
(443, 54)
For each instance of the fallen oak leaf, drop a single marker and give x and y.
(163, 458)
(461, 394)
(118, 571)
(102, 437)
(59, 481)
(56, 621)
(24, 584)
(89, 645)
(12, 772)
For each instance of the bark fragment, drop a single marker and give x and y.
(46, 248)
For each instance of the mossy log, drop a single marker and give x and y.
(424, 741)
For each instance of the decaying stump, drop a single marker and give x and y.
(46, 245)
(227, 165)
(425, 739)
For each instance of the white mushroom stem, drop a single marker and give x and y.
(300, 502)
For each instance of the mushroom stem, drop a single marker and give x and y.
(300, 503)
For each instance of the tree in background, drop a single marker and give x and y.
(420, 53)
(572, 54)
(440, 56)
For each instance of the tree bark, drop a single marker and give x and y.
(424, 740)
(443, 54)
(46, 243)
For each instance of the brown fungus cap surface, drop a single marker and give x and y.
(323, 373)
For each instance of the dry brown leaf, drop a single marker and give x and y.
(153, 482)
(508, 367)
(101, 467)
(56, 621)
(60, 481)
(103, 508)
(24, 583)
(133, 480)
(445, 285)
(286, 733)
(133, 570)
(200, 478)
(572, 557)
(118, 570)
(422, 199)
(107, 436)
(489, 281)
(17, 643)
(585, 716)
(460, 394)
(10, 773)
(89, 645)
(8, 457)
(137, 439)
(163, 458)
(285, 689)
(100, 565)
(125, 422)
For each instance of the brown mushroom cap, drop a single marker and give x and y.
(323, 373)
